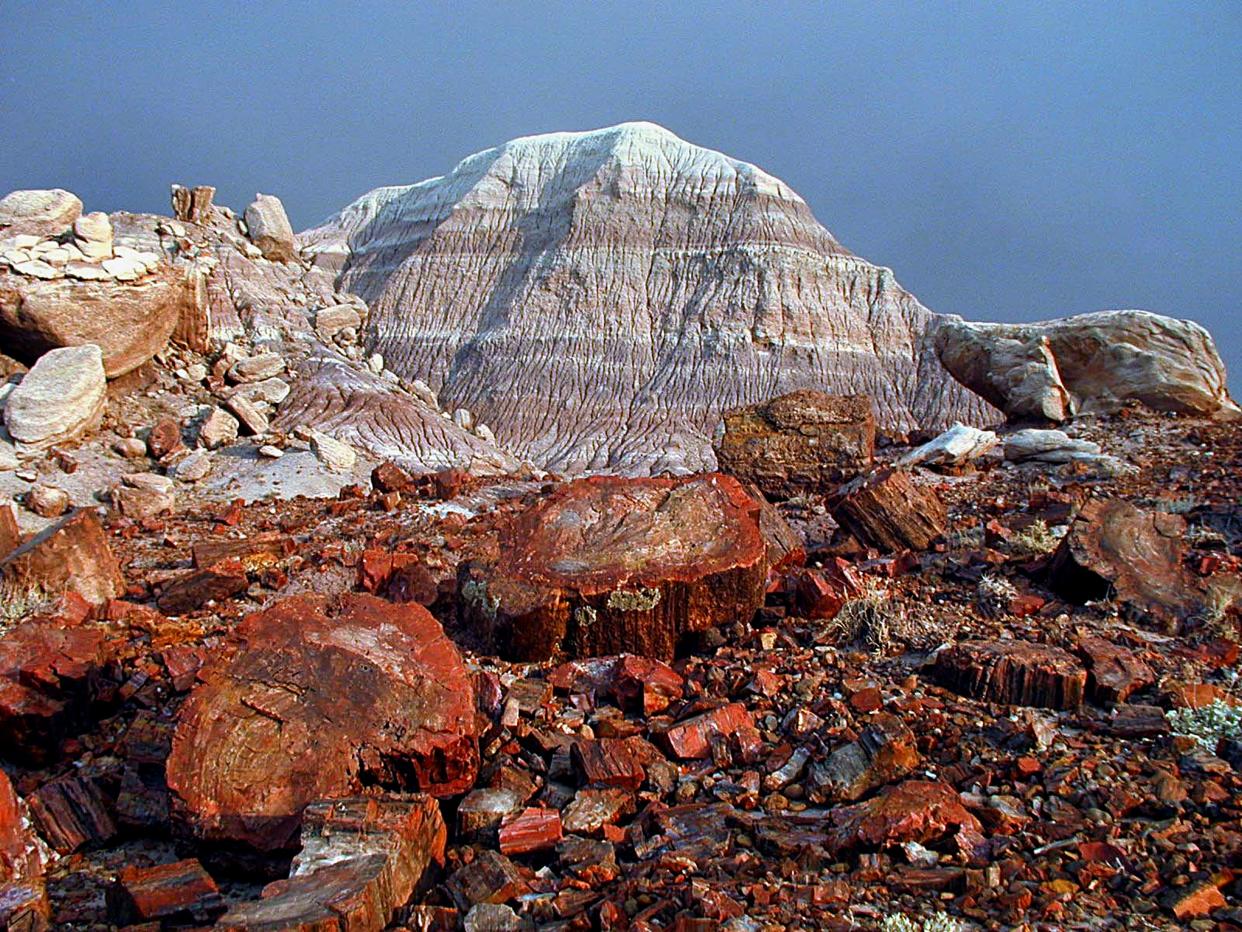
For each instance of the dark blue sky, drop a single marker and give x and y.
(1009, 161)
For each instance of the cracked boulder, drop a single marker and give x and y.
(314, 698)
(1089, 363)
(607, 565)
(129, 321)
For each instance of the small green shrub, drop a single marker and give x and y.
(1208, 725)
(940, 922)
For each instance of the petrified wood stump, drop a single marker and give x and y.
(1117, 550)
(310, 699)
(1012, 672)
(607, 565)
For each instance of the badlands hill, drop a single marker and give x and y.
(599, 298)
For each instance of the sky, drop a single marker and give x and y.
(1014, 161)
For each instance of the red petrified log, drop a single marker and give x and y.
(917, 810)
(312, 698)
(70, 813)
(196, 588)
(887, 510)
(1012, 672)
(70, 556)
(530, 830)
(1116, 550)
(21, 854)
(177, 893)
(1115, 672)
(608, 762)
(361, 860)
(49, 673)
(691, 739)
(821, 593)
(605, 565)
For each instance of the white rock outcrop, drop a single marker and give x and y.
(600, 298)
(1092, 363)
(269, 228)
(61, 397)
(38, 212)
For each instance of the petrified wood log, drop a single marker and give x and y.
(887, 510)
(805, 441)
(22, 856)
(71, 812)
(916, 810)
(50, 672)
(1117, 550)
(181, 893)
(1115, 672)
(1012, 672)
(608, 565)
(72, 555)
(312, 698)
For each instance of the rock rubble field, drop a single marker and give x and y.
(336, 594)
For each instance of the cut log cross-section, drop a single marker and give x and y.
(608, 565)
(314, 698)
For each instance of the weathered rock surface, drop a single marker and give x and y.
(38, 212)
(600, 298)
(805, 441)
(193, 204)
(366, 412)
(312, 698)
(608, 565)
(269, 228)
(1089, 363)
(1013, 673)
(887, 509)
(1116, 550)
(92, 235)
(61, 397)
(1115, 672)
(70, 556)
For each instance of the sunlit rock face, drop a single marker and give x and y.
(600, 298)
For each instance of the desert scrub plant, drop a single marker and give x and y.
(969, 538)
(1034, 541)
(994, 595)
(940, 922)
(1208, 725)
(19, 602)
(868, 619)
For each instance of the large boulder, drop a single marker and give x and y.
(71, 555)
(61, 397)
(315, 698)
(43, 213)
(607, 565)
(269, 228)
(1089, 363)
(805, 441)
(129, 321)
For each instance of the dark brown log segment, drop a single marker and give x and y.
(1013, 673)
